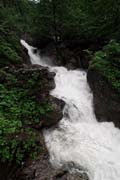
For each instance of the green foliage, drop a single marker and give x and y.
(80, 21)
(15, 22)
(8, 54)
(47, 21)
(19, 113)
(58, 20)
(107, 61)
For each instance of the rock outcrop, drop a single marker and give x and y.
(41, 170)
(34, 83)
(63, 55)
(106, 99)
(39, 82)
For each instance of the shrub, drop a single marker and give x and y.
(20, 112)
(107, 61)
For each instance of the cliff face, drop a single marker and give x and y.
(25, 108)
(36, 82)
(33, 84)
(106, 99)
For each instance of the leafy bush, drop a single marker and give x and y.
(15, 19)
(8, 54)
(107, 61)
(19, 113)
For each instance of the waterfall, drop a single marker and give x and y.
(35, 57)
(80, 142)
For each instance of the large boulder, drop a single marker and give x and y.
(106, 99)
(41, 169)
(38, 82)
(55, 115)
(26, 103)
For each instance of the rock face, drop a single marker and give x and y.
(42, 170)
(63, 55)
(38, 81)
(75, 58)
(56, 115)
(106, 99)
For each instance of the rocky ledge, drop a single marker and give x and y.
(32, 108)
(41, 170)
(38, 82)
(32, 83)
(106, 99)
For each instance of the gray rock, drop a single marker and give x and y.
(106, 99)
(56, 115)
(39, 82)
(42, 170)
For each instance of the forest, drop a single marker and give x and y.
(86, 30)
(91, 25)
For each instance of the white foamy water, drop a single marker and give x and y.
(35, 57)
(79, 139)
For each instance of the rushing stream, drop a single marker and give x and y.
(80, 142)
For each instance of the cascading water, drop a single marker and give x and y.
(35, 57)
(80, 140)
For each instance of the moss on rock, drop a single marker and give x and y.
(25, 107)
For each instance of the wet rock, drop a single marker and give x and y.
(55, 115)
(70, 66)
(75, 176)
(38, 82)
(106, 99)
(76, 58)
(42, 170)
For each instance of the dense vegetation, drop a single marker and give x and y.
(14, 24)
(78, 21)
(20, 112)
(90, 25)
(107, 61)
